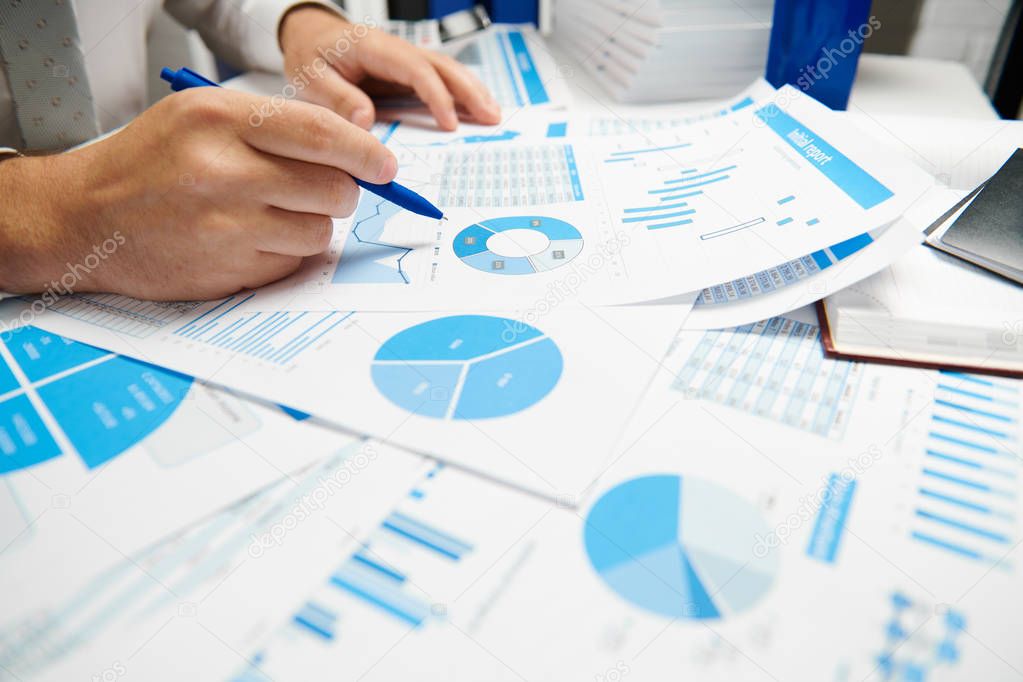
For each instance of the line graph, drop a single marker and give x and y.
(367, 258)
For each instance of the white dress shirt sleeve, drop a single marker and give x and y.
(244, 32)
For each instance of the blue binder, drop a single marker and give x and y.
(816, 45)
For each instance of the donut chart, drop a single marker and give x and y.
(681, 547)
(556, 243)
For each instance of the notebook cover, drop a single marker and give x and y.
(992, 226)
(828, 345)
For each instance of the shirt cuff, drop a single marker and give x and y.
(266, 54)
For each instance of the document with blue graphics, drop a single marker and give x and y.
(612, 220)
(517, 397)
(758, 482)
(102, 455)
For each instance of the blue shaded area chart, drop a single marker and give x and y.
(467, 367)
(366, 258)
(680, 547)
(563, 242)
(967, 488)
(55, 390)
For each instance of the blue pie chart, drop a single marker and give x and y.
(467, 367)
(103, 404)
(680, 547)
(553, 244)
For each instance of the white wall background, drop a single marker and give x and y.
(962, 30)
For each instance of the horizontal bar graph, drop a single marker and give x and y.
(368, 587)
(650, 150)
(660, 216)
(699, 176)
(421, 533)
(967, 497)
(316, 620)
(275, 337)
(661, 226)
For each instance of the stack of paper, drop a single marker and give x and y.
(482, 448)
(668, 49)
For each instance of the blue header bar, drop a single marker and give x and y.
(857, 183)
(535, 90)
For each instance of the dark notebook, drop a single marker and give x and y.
(989, 233)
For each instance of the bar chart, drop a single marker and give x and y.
(669, 204)
(278, 338)
(967, 494)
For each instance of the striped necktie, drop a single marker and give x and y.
(42, 55)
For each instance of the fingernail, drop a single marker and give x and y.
(388, 170)
(362, 117)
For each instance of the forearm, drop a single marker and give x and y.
(32, 245)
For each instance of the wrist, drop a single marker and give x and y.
(300, 25)
(37, 231)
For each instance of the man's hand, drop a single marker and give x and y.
(191, 200)
(360, 59)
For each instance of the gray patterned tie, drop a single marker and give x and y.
(42, 55)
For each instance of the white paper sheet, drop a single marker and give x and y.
(520, 399)
(720, 541)
(619, 220)
(808, 279)
(205, 591)
(103, 456)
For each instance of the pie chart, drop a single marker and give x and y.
(101, 403)
(680, 547)
(518, 245)
(467, 367)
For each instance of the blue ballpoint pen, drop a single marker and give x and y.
(185, 78)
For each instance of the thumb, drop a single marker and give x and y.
(346, 99)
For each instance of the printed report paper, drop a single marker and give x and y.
(621, 220)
